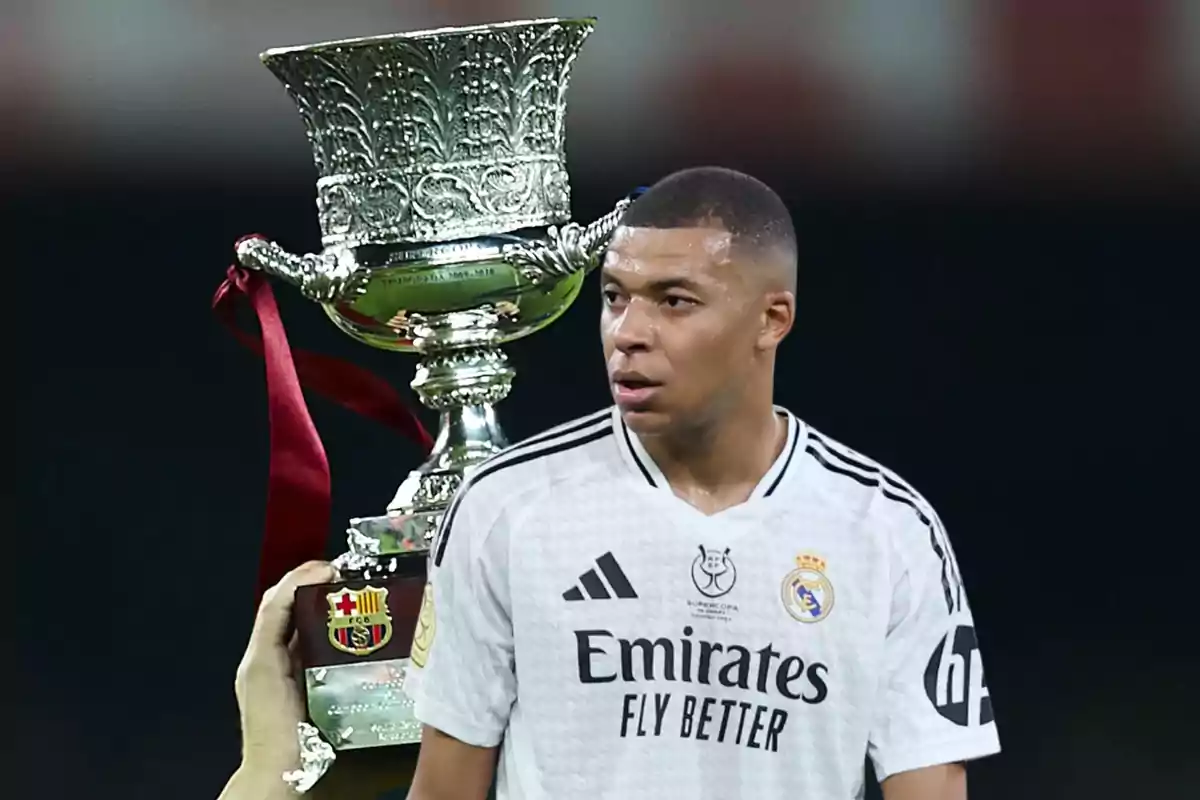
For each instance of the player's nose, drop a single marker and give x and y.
(634, 329)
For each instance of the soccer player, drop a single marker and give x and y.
(695, 593)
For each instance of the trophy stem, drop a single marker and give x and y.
(466, 435)
(463, 383)
(462, 378)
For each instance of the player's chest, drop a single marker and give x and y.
(808, 580)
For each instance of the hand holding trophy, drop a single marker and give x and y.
(443, 200)
(271, 706)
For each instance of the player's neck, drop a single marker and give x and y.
(718, 466)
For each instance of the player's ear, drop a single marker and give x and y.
(779, 314)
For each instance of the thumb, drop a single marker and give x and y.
(275, 612)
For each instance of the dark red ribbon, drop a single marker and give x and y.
(298, 488)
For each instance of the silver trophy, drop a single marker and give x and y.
(444, 206)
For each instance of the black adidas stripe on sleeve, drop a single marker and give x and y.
(893, 489)
(586, 431)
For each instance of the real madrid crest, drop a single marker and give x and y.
(359, 622)
(807, 594)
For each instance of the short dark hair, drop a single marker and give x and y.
(753, 214)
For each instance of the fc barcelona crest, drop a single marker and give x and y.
(359, 622)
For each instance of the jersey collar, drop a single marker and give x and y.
(642, 465)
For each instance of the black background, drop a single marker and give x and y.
(1019, 352)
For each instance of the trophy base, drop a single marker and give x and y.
(355, 642)
(362, 705)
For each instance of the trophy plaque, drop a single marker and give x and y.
(444, 206)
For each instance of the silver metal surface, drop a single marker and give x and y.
(316, 757)
(362, 705)
(444, 204)
(437, 135)
(570, 249)
(322, 278)
(443, 199)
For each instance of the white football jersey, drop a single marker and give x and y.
(618, 643)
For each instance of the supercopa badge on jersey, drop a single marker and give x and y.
(807, 593)
(359, 622)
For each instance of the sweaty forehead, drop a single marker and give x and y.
(708, 245)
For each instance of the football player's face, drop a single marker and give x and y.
(680, 324)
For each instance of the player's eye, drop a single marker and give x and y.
(611, 296)
(678, 302)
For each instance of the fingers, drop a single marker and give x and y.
(275, 611)
(293, 644)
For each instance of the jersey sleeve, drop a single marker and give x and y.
(461, 674)
(935, 708)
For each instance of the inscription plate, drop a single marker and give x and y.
(362, 704)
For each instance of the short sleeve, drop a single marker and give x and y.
(935, 708)
(461, 677)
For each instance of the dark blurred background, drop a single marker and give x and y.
(997, 206)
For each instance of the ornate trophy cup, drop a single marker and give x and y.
(443, 202)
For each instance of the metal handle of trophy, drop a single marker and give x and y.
(324, 278)
(569, 249)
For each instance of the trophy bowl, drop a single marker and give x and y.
(394, 295)
(439, 155)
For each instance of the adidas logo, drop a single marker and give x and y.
(594, 588)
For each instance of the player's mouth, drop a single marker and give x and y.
(632, 389)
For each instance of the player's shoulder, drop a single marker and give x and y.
(522, 475)
(859, 482)
(580, 448)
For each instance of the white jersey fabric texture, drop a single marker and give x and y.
(619, 644)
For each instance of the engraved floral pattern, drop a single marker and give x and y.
(437, 136)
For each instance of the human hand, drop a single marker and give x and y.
(270, 701)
